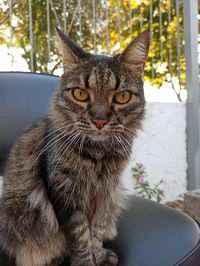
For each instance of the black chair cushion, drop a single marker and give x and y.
(24, 97)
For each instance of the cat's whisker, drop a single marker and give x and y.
(131, 136)
(121, 143)
(77, 137)
(63, 183)
(53, 132)
(65, 147)
(111, 144)
(149, 136)
(57, 136)
(165, 148)
(59, 148)
(81, 144)
(131, 132)
(44, 149)
(130, 129)
(67, 200)
(127, 142)
(127, 134)
(78, 140)
(50, 144)
(43, 152)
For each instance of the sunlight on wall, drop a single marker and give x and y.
(164, 94)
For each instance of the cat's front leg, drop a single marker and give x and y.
(80, 240)
(103, 257)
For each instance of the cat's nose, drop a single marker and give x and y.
(99, 123)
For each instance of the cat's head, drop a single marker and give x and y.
(101, 96)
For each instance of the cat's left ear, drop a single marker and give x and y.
(72, 53)
(135, 55)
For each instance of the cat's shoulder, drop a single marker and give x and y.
(37, 125)
(31, 135)
(26, 144)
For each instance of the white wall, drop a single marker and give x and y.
(161, 146)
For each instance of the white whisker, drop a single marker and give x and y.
(121, 143)
(65, 148)
(58, 150)
(149, 136)
(51, 143)
(60, 128)
(128, 143)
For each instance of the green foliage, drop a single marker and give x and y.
(143, 187)
(197, 218)
(123, 15)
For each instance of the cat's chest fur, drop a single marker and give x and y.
(89, 183)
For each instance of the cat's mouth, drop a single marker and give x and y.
(98, 137)
(97, 134)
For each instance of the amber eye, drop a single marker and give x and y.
(122, 97)
(80, 94)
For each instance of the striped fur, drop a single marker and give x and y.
(62, 193)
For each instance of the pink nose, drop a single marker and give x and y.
(99, 123)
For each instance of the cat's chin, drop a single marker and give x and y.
(99, 137)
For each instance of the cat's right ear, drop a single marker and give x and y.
(135, 55)
(71, 52)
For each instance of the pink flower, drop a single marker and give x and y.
(140, 165)
(162, 191)
(141, 180)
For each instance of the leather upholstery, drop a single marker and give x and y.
(150, 234)
(24, 97)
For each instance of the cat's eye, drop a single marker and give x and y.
(122, 97)
(80, 94)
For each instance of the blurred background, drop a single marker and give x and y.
(166, 151)
(27, 35)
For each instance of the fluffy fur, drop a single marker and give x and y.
(62, 192)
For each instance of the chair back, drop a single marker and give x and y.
(24, 98)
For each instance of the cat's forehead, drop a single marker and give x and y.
(100, 72)
(102, 75)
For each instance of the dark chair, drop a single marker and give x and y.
(150, 234)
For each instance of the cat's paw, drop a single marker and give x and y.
(108, 258)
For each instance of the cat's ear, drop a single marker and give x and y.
(71, 52)
(135, 55)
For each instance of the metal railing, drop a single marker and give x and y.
(98, 25)
(109, 25)
(193, 102)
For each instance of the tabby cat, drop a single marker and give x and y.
(62, 192)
